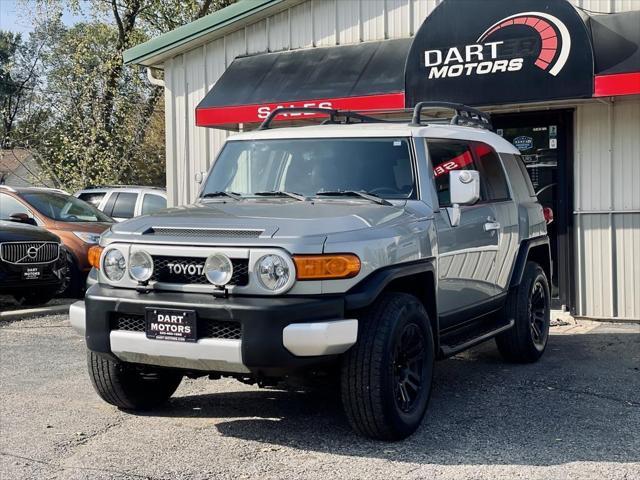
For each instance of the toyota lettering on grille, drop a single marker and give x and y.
(185, 269)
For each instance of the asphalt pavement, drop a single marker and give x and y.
(574, 414)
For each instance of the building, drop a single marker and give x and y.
(561, 78)
(19, 168)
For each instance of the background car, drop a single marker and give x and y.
(77, 223)
(121, 202)
(31, 266)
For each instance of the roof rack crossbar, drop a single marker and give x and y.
(335, 116)
(464, 115)
(279, 111)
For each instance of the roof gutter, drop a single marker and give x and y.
(152, 52)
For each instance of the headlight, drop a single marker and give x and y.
(88, 237)
(114, 265)
(140, 266)
(273, 272)
(218, 269)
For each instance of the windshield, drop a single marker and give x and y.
(64, 208)
(380, 166)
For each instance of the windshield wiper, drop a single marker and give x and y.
(282, 193)
(354, 193)
(220, 193)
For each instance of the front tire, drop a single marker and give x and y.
(130, 387)
(386, 376)
(529, 305)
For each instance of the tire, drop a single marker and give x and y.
(529, 306)
(376, 376)
(74, 280)
(130, 387)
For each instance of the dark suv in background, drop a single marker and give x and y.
(32, 268)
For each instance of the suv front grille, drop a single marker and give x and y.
(206, 328)
(163, 273)
(29, 252)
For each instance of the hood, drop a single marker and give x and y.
(277, 219)
(18, 232)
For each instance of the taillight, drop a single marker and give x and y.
(548, 214)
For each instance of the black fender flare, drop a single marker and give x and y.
(365, 292)
(523, 256)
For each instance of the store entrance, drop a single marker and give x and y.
(545, 142)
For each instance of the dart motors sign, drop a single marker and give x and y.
(494, 52)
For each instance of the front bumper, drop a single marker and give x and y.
(279, 335)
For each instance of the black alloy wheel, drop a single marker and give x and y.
(408, 365)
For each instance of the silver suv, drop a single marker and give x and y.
(359, 249)
(122, 202)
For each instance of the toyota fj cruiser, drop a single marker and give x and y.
(358, 249)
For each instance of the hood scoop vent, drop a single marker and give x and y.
(204, 232)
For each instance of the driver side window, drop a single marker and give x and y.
(446, 156)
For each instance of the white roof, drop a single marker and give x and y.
(356, 130)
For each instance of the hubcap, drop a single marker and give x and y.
(408, 367)
(538, 314)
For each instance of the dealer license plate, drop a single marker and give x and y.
(171, 324)
(31, 273)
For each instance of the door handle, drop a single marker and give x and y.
(491, 225)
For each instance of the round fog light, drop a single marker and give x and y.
(140, 266)
(218, 269)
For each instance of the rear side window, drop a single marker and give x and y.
(493, 182)
(124, 205)
(93, 198)
(152, 203)
(525, 174)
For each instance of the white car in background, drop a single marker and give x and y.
(123, 202)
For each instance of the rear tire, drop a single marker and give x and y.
(386, 376)
(128, 386)
(529, 306)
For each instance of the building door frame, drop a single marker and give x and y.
(563, 218)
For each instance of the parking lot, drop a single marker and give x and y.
(575, 414)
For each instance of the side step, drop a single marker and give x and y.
(449, 350)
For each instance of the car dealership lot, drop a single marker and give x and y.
(575, 414)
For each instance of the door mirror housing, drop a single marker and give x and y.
(22, 218)
(464, 187)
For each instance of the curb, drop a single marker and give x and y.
(33, 312)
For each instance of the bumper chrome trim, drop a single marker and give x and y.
(209, 354)
(78, 317)
(321, 338)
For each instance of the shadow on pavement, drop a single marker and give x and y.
(579, 403)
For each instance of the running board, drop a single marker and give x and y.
(449, 350)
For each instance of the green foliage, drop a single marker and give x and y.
(90, 118)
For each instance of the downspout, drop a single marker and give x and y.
(158, 82)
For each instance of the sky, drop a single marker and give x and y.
(14, 18)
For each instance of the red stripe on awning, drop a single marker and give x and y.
(229, 115)
(617, 84)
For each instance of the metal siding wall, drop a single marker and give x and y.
(607, 6)
(607, 202)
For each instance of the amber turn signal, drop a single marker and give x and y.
(94, 256)
(326, 267)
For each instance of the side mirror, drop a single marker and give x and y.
(464, 188)
(198, 177)
(22, 218)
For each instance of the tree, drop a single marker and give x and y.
(104, 120)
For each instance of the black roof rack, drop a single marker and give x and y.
(465, 116)
(335, 116)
